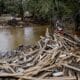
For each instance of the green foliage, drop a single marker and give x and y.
(41, 8)
(48, 8)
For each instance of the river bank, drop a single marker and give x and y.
(17, 22)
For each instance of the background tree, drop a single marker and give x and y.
(41, 9)
(2, 7)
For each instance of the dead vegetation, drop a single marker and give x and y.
(52, 58)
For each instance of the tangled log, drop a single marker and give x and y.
(49, 59)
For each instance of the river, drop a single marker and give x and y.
(10, 38)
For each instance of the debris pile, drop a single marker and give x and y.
(52, 58)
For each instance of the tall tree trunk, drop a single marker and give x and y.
(21, 11)
(55, 15)
(2, 7)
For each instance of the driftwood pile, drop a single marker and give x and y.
(52, 58)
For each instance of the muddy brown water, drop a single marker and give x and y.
(10, 38)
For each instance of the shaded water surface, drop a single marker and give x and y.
(11, 38)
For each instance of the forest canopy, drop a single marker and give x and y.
(44, 9)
